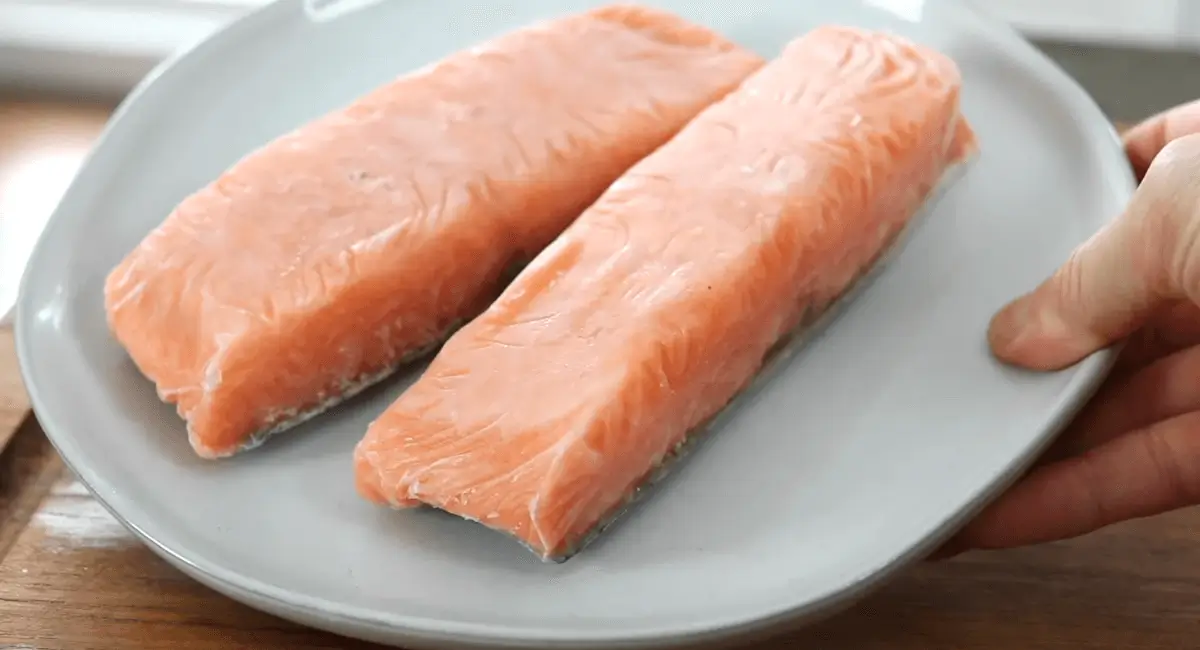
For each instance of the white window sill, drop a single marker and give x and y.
(107, 46)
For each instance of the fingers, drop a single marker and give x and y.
(1146, 140)
(1145, 263)
(1175, 327)
(1162, 390)
(1099, 296)
(1139, 474)
(1114, 282)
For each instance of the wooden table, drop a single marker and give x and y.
(71, 578)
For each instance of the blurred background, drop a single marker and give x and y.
(66, 64)
(1134, 55)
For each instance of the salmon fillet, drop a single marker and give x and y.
(321, 262)
(544, 416)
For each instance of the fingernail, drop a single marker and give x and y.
(1030, 335)
(1010, 326)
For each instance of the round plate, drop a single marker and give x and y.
(869, 447)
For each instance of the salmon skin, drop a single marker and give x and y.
(544, 416)
(320, 263)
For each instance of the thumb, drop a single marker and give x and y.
(1144, 141)
(1114, 282)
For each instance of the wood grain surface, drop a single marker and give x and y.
(41, 145)
(72, 578)
(76, 580)
(14, 404)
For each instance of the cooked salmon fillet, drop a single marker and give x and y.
(544, 416)
(319, 263)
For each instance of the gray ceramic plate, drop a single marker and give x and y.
(865, 450)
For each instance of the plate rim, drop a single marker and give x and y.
(419, 631)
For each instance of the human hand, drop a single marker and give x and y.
(1134, 451)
